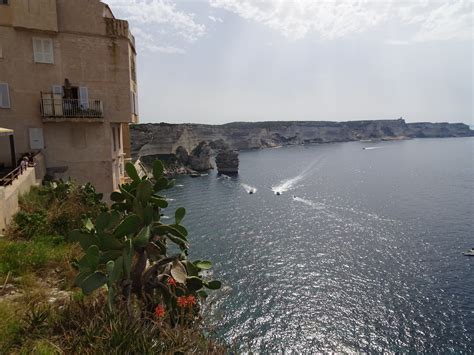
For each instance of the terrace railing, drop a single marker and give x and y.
(11, 176)
(53, 108)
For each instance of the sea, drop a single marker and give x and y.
(361, 250)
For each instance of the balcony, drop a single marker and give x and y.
(55, 109)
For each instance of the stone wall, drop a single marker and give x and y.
(10, 194)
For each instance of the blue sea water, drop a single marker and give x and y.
(362, 251)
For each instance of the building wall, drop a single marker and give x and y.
(30, 14)
(89, 52)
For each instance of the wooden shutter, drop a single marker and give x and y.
(38, 50)
(4, 96)
(47, 103)
(84, 97)
(48, 54)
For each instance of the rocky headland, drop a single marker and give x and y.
(190, 147)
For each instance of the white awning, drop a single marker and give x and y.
(6, 132)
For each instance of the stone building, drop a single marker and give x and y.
(68, 87)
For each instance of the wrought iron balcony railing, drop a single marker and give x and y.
(58, 108)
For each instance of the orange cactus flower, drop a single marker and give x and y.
(182, 301)
(171, 281)
(191, 300)
(160, 311)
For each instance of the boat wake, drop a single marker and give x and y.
(344, 214)
(371, 148)
(249, 189)
(309, 203)
(289, 184)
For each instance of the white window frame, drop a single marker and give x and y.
(43, 51)
(5, 100)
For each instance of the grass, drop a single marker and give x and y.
(10, 324)
(87, 327)
(34, 246)
(20, 257)
(36, 240)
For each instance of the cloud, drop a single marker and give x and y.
(215, 19)
(157, 21)
(397, 42)
(451, 20)
(148, 41)
(296, 19)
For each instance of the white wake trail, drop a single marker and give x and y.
(288, 184)
(308, 202)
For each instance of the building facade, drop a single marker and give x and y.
(68, 87)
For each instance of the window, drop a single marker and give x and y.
(4, 96)
(113, 137)
(43, 50)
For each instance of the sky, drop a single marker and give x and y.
(218, 61)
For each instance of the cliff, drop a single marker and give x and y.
(165, 140)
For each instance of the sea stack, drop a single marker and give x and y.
(227, 162)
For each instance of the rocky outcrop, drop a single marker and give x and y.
(227, 161)
(200, 157)
(183, 143)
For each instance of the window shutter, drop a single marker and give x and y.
(43, 50)
(38, 50)
(48, 55)
(4, 96)
(136, 103)
(84, 97)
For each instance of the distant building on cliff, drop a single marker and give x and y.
(68, 87)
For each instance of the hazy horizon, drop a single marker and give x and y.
(221, 61)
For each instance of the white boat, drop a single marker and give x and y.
(470, 252)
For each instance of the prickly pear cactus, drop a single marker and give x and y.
(126, 250)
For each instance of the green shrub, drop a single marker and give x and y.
(22, 256)
(29, 224)
(55, 209)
